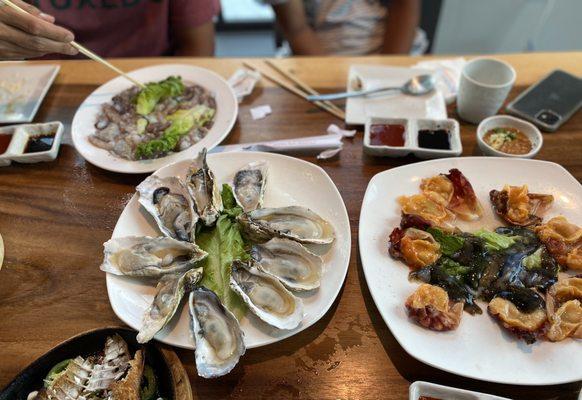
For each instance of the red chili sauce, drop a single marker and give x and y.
(5, 142)
(387, 135)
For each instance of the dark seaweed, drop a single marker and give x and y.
(476, 271)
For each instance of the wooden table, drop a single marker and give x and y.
(55, 217)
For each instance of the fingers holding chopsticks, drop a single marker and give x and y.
(31, 33)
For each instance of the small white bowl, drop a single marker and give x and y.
(498, 121)
(420, 388)
(389, 151)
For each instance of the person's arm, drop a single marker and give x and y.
(401, 23)
(195, 42)
(293, 22)
(28, 36)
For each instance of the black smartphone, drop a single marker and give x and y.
(550, 102)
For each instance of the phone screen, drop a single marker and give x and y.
(559, 92)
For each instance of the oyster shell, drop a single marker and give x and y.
(293, 222)
(218, 337)
(290, 262)
(168, 201)
(148, 256)
(249, 185)
(266, 297)
(204, 190)
(169, 293)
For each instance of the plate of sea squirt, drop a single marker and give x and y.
(475, 266)
(227, 252)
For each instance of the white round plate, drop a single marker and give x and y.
(291, 182)
(86, 115)
(479, 348)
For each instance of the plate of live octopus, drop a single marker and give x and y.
(475, 265)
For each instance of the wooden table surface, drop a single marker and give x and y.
(55, 216)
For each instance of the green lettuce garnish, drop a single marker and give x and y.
(156, 91)
(494, 240)
(224, 244)
(142, 124)
(534, 260)
(453, 268)
(182, 122)
(450, 244)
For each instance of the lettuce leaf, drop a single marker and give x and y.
(453, 268)
(534, 260)
(182, 122)
(494, 240)
(224, 244)
(156, 91)
(450, 244)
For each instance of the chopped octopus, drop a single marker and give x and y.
(563, 240)
(564, 309)
(416, 247)
(519, 207)
(454, 192)
(430, 306)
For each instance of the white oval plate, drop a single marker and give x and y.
(86, 115)
(479, 348)
(291, 182)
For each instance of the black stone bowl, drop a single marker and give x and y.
(83, 345)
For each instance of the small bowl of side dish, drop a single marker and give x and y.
(505, 136)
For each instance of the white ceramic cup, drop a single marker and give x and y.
(484, 86)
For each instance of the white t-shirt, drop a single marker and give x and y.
(346, 27)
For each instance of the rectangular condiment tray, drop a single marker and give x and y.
(21, 136)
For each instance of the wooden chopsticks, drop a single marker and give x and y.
(298, 87)
(84, 50)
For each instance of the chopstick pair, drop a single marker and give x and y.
(84, 50)
(299, 87)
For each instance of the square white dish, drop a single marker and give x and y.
(291, 181)
(420, 388)
(412, 127)
(22, 90)
(391, 104)
(24, 132)
(479, 348)
(389, 151)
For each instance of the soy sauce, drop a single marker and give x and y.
(387, 135)
(37, 144)
(5, 142)
(437, 139)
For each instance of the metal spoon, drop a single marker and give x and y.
(416, 86)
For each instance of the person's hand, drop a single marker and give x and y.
(27, 36)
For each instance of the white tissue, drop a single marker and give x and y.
(243, 82)
(261, 112)
(333, 129)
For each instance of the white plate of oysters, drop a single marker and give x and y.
(258, 237)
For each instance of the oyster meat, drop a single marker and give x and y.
(204, 190)
(293, 222)
(218, 337)
(249, 185)
(168, 201)
(266, 297)
(149, 257)
(290, 262)
(169, 293)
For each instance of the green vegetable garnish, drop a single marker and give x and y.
(533, 261)
(55, 372)
(224, 244)
(149, 384)
(453, 268)
(142, 124)
(450, 244)
(182, 122)
(156, 91)
(495, 241)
